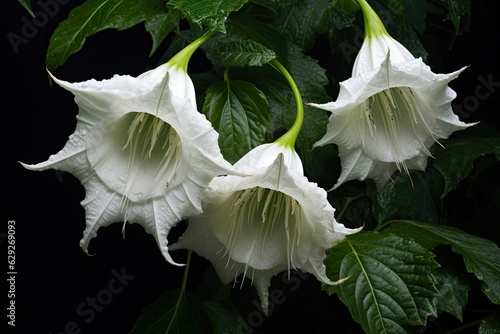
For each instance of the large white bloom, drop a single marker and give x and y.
(265, 223)
(390, 112)
(142, 151)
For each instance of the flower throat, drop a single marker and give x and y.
(151, 141)
(276, 210)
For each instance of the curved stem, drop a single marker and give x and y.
(288, 139)
(181, 59)
(373, 25)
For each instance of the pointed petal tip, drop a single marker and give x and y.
(25, 165)
(86, 251)
(166, 256)
(340, 281)
(37, 167)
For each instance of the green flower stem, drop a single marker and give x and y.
(288, 139)
(373, 25)
(186, 271)
(181, 59)
(183, 291)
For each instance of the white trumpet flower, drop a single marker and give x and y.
(142, 151)
(390, 112)
(260, 225)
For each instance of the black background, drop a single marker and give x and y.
(54, 275)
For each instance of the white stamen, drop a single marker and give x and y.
(272, 210)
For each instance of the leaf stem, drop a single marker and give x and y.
(288, 139)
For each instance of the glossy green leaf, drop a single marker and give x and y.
(408, 197)
(490, 325)
(396, 6)
(174, 312)
(209, 14)
(246, 27)
(415, 14)
(239, 112)
(27, 5)
(390, 286)
(160, 26)
(224, 319)
(335, 19)
(456, 160)
(93, 16)
(300, 22)
(226, 52)
(453, 291)
(348, 6)
(456, 10)
(398, 27)
(481, 256)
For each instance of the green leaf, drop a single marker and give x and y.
(456, 10)
(239, 112)
(390, 285)
(224, 319)
(408, 197)
(453, 291)
(27, 5)
(227, 52)
(218, 305)
(456, 160)
(396, 6)
(490, 324)
(415, 14)
(299, 21)
(209, 14)
(174, 312)
(93, 16)
(348, 6)
(246, 27)
(396, 24)
(335, 19)
(481, 256)
(160, 25)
